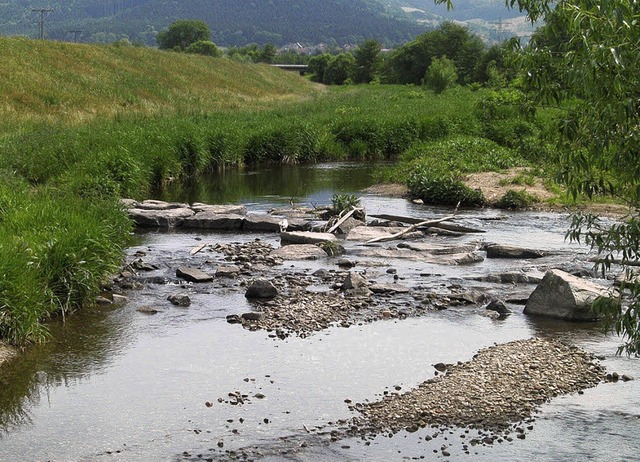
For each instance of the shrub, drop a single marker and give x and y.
(442, 188)
(513, 199)
(440, 75)
(344, 202)
(204, 47)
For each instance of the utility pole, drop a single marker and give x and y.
(76, 34)
(43, 14)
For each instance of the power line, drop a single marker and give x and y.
(43, 14)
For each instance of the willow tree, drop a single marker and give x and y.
(587, 59)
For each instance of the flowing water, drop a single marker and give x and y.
(114, 384)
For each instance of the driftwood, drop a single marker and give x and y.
(436, 223)
(343, 219)
(197, 249)
(413, 227)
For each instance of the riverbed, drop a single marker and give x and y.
(117, 384)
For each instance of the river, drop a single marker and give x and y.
(114, 384)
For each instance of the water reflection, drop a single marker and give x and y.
(274, 185)
(85, 345)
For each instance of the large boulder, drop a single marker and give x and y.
(561, 295)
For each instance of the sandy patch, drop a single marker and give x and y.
(388, 189)
(490, 184)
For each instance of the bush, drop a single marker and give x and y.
(204, 47)
(516, 200)
(440, 75)
(441, 188)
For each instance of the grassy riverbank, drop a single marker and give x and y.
(103, 122)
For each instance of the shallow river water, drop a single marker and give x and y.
(115, 384)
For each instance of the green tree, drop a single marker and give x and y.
(318, 65)
(267, 54)
(366, 61)
(441, 75)
(204, 47)
(409, 63)
(182, 33)
(339, 69)
(596, 46)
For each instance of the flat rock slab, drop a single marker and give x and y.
(366, 233)
(299, 252)
(217, 221)
(406, 254)
(306, 237)
(193, 274)
(220, 209)
(438, 248)
(166, 218)
(389, 289)
(161, 205)
(514, 277)
(510, 251)
(255, 222)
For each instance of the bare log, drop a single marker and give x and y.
(428, 223)
(197, 249)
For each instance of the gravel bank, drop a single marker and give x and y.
(501, 385)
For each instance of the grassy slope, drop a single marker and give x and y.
(43, 81)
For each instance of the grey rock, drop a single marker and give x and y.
(299, 252)
(561, 295)
(220, 209)
(389, 288)
(439, 248)
(516, 277)
(179, 299)
(322, 274)
(217, 221)
(252, 316)
(119, 299)
(147, 310)
(306, 237)
(261, 289)
(229, 271)
(354, 281)
(498, 306)
(255, 222)
(234, 319)
(472, 296)
(345, 263)
(348, 225)
(510, 251)
(366, 233)
(161, 205)
(166, 218)
(193, 274)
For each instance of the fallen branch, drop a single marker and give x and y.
(409, 229)
(197, 249)
(343, 219)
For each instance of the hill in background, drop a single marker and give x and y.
(237, 23)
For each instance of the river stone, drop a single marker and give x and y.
(119, 299)
(440, 249)
(498, 306)
(220, 209)
(349, 224)
(517, 277)
(129, 203)
(255, 222)
(366, 233)
(510, 251)
(193, 274)
(299, 252)
(229, 271)
(306, 237)
(167, 218)
(561, 295)
(218, 221)
(261, 288)
(354, 281)
(472, 296)
(151, 204)
(389, 289)
(252, 316)
(179, 299)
